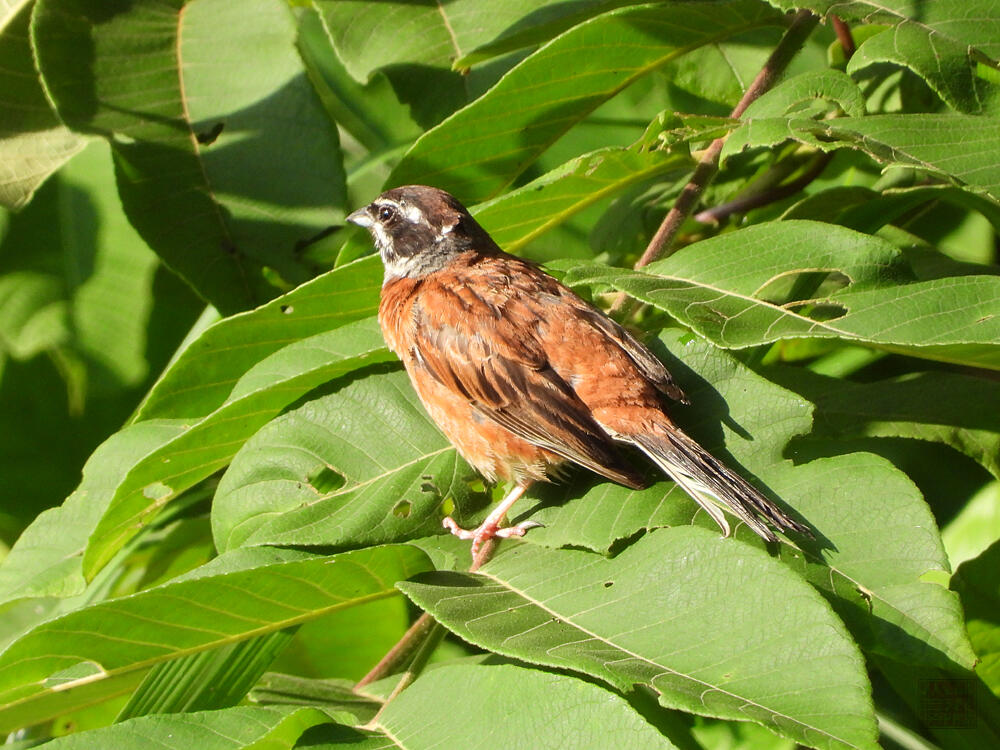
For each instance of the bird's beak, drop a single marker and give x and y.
(361, 217)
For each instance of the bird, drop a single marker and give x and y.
(523, 376)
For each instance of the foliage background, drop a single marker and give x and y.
(182, 307)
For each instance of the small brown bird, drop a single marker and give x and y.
(521, 374)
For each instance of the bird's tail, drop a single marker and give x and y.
(712, 484)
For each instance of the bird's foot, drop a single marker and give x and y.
(487, 530)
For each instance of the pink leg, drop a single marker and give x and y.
(491, 526)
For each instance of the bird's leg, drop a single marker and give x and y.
(491, 526)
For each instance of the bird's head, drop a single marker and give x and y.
(418, 230)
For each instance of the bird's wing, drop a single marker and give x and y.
(486, 350)
(651, 367)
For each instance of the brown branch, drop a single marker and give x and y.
(844, 36)
(744, 203)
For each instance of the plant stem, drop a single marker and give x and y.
(410, 648)
(789, 45)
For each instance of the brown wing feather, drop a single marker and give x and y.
(485, 349)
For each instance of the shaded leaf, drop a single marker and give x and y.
(934, 39)
(199, 129)
(642, 617)
(977, 582)
(33, 143)
(480, 149)
(69, 660)
(926, 406)
(48, 557)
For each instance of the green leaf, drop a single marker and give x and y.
(975, 527)
(554, 710)
(712, 288)
(206, 171)
(457, 34)
(960, 148)
(482, 148)
(521, 216)
(250, 727)
(69, 660)
(930, 406)
(360, 465)
(201, 379)
(934, 39)
(567, 609)
(337, 697)
(546, 19)
(213, 679)
(48, 557)
(208, 444)
(33, 143)
(790, 94)
(978, 584)
(876, 538)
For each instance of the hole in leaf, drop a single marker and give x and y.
(402, 509)
(801, 285)
(209, 136)
(325, 480)
(287, 309)
(608, 584)
(819, 311)
(447, 506)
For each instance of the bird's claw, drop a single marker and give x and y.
(487, 531)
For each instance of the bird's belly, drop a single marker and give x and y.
(494, 451)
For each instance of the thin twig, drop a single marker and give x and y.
(744, 203)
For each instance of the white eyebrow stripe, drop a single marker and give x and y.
(413, 214)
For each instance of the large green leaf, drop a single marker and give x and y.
(207, 170)
(520, 216)
(203, 376)
(482, 148)
(426, 31)
(361, 465)
(33, 143)
(251, 727)
(552, 710)
(714, 288)
(937, 40)
(960, 148)
(71, 660)
(679, 611)
(876, 538)
(208, 444)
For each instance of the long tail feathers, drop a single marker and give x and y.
(713, 484)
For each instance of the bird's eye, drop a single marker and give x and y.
(385, 213)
